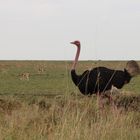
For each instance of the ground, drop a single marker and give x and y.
(39, 101)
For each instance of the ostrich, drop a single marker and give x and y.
(100, 79)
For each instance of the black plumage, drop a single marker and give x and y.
(101, 79)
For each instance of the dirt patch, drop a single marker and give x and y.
(7, 106)
(128, 103)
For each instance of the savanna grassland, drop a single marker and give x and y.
(38, 101)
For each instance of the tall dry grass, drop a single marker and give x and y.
(66, 118)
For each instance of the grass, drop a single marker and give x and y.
(66, 118)
(49, 107)
(46, 82)
(55, 79)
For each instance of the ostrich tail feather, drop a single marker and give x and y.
(132, 68)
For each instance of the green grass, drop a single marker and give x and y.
(30, 111)
(55, 79)
(52, 80)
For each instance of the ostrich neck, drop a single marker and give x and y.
(76, 58)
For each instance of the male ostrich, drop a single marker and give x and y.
(100, 79)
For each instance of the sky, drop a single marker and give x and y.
(43, 29)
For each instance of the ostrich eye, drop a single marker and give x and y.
(77, 42)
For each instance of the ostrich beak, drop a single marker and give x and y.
(71, 42)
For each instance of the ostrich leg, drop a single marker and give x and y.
(100, 101)
(111, 101)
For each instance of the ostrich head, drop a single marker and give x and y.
(77, 43)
